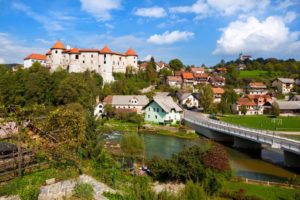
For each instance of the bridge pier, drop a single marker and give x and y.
(246, 144)
(291, 159)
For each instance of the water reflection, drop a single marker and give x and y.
(248, 165)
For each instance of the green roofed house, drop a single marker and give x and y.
(162, 110)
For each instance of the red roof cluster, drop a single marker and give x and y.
(246, 102)
(187, 75)
(36, 56)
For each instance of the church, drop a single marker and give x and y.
(103, 62)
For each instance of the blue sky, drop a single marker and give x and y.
(195, 31)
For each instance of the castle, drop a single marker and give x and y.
(103, 62)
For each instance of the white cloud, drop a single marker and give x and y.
(170, 37)
(2, 61)
(155, 12)
(290, 17)
(13, 50)
(199, 7)
(268, 37)
(100, 9)
(52, 21)
(284, 4)
(202, 8)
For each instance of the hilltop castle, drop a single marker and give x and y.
(103, 61)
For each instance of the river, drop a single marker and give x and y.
(266, 167)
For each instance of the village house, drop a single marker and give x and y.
(260, 100)
(220, 70)
(255, 88)
(283, 85)
(161, 65)
(201, 78)
(174, 81)
(218, 92)
(216, 81)
(294, 98)
(251, 107)
(188, 100)
(289, 108)
(188, 79)
(128, 103)
(32, 58)
(162, 110)
(198, 70)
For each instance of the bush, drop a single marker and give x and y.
(84, 191)
(193, 191)
(213, 182)
(29, 193)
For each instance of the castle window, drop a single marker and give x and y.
(104, 61)
(76, 57)
(104, 55)
(120, 58)
(84, 56)
(92, 56)
(83, 61)
(56, 51)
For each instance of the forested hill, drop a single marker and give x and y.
(288, 67)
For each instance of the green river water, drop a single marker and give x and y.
(267, 166)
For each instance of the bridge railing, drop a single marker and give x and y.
(252, 134)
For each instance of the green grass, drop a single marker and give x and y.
(255, 74)
(31, 182)
(264, 192)
(265, 122)
(294, 137)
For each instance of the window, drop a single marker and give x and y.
(149, 109)
(157, 109)
(56, 51)
(104, 61)
(83, 61)
(104, 55)
(120, 58)
(84, 56)
(154, 109)
(155, 116)
(162, 110)
(92, 56)
(76, 57)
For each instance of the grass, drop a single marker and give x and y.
(84, 191)
(294, 137)
(264, 192)
(29, 184)
(265, 122)
(254, 74)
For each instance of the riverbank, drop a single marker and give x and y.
(176, 131)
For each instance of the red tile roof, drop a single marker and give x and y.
(48, 53)
(58, 45)
(74, 51)
(174, 78)
(218, 90)
(203, 75)
(130, 52)
(245, 102)
(197, 69)
(88, 50)
(106, 50)
(108, 99)
(36, 57)
(187, 75)
(257, 85)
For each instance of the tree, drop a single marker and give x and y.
(243, 109)
(228, 99)
(275, 109)
(132, 145)
(176, 64)
(151, 71)
(206, 97)
(193, 191)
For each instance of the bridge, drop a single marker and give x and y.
(243, 137)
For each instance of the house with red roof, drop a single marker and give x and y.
(32, 58)
(252, 108)
(188, 79)
(218, 92)
(257, 88)
(201, 78)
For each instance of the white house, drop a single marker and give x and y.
(32, 58)
(289, 108)
(103, 62)
(129, 103)
(99, 110)
(259, 88)
(218, 92)
(188, 100)
(251, 107)
(174, 81)
(163, 110)
(283, 85)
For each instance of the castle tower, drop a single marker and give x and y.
(105, 62)
(132, 58)
(56, 55)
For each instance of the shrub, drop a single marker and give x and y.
(213, 182)
(193, 191)
(29, 193)
(84, 191)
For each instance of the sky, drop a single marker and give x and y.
(195, 31)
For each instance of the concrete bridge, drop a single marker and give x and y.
(243, 137)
